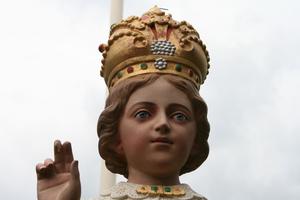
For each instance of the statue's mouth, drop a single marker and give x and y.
(162, 140)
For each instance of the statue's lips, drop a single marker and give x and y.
(162, 140)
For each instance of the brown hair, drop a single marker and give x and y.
(108, 122)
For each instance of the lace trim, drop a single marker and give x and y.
(124, 190)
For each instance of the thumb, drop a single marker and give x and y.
(73, 191)
(75, 170)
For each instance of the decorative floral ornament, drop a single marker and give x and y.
(160, 63)
(161, 190)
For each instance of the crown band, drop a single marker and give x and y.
(173, 65)
(152, 67)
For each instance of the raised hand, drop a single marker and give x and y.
(59, 179)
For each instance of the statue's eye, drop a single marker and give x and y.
(180, 117)
(142, 114)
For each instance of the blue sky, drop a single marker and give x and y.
(50, 88)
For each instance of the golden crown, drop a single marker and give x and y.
(153, 43)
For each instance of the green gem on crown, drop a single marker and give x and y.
(154, 188)
(120, 74)
(167, 189)
(178, 67)
(144, 66)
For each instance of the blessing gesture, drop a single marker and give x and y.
(59, 179)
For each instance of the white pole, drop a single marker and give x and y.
(108, 179)
(116, 11)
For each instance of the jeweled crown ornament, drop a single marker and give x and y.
(153, 43)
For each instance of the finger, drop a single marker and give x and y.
(68, 155)
(75, 170)
(38, 169)
(59, 158)
(68, 152)
(58, 152)
(50, 168)
(48, 161)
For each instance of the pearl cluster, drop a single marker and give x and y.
(160, 63)
(163, 48)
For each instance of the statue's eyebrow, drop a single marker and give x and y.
(178, 105)
(143, 104)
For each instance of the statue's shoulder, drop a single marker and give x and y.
(122, 190)
(190, 194)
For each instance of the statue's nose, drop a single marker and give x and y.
(162, 124)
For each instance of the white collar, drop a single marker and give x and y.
(125, 190)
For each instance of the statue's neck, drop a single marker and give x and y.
(138, 177)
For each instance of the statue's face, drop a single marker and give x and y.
(157, 130)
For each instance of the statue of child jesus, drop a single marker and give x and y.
(154, 127)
